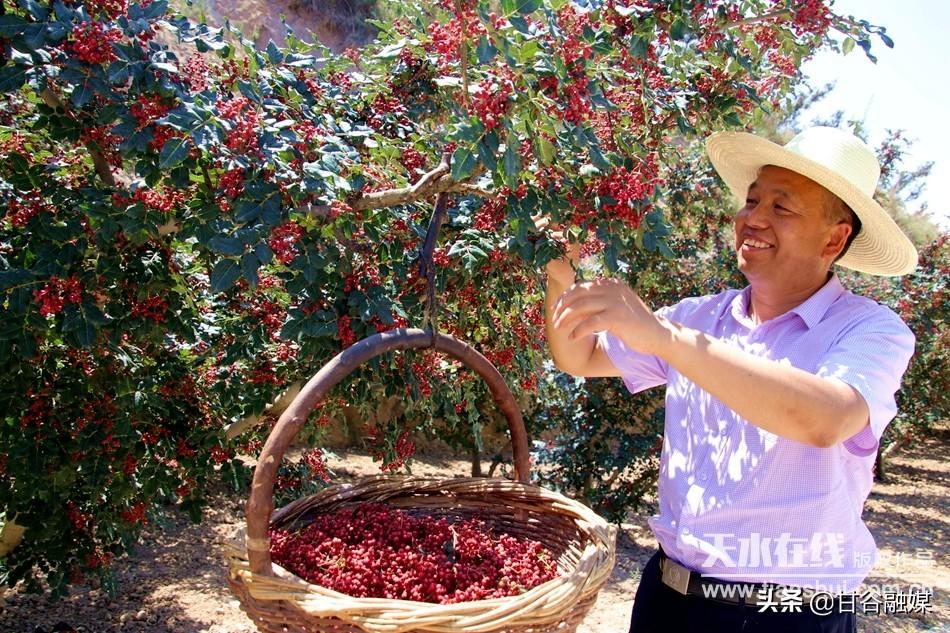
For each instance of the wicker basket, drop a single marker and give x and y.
(278, 601)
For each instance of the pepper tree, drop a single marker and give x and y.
(188, 230)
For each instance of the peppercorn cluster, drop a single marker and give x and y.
(373, 551)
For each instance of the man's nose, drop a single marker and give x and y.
(755, 214)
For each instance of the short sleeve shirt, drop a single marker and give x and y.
(739, 503)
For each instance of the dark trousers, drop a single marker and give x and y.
(660, 609)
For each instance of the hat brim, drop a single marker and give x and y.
(881, 248)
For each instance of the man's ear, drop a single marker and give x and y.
(837, 239)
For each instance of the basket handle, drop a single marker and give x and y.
(260, 504)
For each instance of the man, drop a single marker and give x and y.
(777, 395)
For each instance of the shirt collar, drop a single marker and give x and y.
(811, 310)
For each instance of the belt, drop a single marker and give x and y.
(692, 583)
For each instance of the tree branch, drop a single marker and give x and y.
(275, 408)
(463, 54)
(475, 190)
(98, 160)
(172, 226)
(207, 178)
(393, 197)
(608, 484)
(433, 182)
(441, 169)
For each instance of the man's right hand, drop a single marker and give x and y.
(578, 357)
(560, 270)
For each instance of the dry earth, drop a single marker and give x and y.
(174, 582)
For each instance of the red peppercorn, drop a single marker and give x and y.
(370, 550)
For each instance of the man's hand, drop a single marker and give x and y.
(612, 305)
(580, 357)
(559, 270)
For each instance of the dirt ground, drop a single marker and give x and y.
(174, 582)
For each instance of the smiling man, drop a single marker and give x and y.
(776, 395)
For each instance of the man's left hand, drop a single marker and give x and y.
(612, 305)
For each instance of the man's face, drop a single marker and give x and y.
(783, 233)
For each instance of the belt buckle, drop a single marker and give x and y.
(675, 576)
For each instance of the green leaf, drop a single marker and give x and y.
(226, 245)
(34, 36)
(470, 131)
(225, 273)
(274, 56)
(529, 51)
(865, 45)
(56, 31)
(155, 9)
(683, 125)
(524, 7)
(463, 163)
(546, 150)
(678, 30)
(27, 345)
(848, 45)
(249, 90)
(610, 258)
(391, 51)
(271, 210)
(79, 327)
(37, 11)
(94, 315)
(485, 50)
(520, 23)
(247, 210)
(10, 330)
(264, 252)
(11, 25)
(11, 78)
(82, 94)
(639, 46)
(171, 69)
(486, 154)
(119, 71)
(597, 157)
(732, 119)
(173, 152)
(249, 266)
(512, 163)
(649, 241)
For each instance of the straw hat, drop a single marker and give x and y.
(839, 162)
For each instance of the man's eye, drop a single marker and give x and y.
(750, 202)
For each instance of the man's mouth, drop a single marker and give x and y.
(757, 244)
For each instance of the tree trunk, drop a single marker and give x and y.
(476, 462)
(880, 475)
